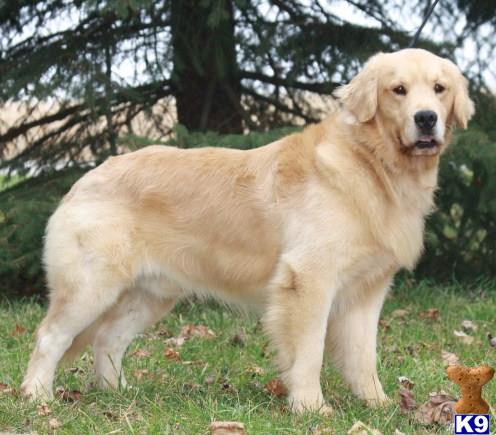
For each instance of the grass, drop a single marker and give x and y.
(222, 379)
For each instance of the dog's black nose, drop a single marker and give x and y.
(425, 119)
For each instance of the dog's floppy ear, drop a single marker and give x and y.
(463, 106)
(360, 95)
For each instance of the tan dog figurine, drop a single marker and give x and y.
(471, 381)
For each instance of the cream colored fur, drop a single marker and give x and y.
(310, 229)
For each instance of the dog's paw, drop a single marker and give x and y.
(300, 405)
(378, 402)
(35, 392)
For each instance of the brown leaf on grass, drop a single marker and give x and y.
(53, 423)
(43, 410)
(384, 324)
(464, 338)
(360, 428)
(111, 415)
(141, 353)
(162, 331)
(439, 409)
(399, 313)
(200, 331)
(68, 395)
(239, 339)
(407, 400)
(276, 387)
(139, 374)
(469, 326)
(431, 313)
(406, 383)
(449, 359)
(7, 389)
(227, 428)
(226, 387)
(18, 330)
(492, 340)
(172, 354)
(210, 380)
(256, 370)
(175, 341)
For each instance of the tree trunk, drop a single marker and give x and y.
(205, 76)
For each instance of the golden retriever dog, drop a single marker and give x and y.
(310, 229)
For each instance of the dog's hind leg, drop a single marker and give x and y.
(134, 312)
(72, 309)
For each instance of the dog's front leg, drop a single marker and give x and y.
(296, 320)
(352, 338)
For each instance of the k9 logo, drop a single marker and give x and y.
(472, 424)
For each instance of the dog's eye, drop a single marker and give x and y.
(438, 89)
(399, 90)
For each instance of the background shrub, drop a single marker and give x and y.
(24, 211)
(460, 235)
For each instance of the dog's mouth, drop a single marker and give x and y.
(426, 142)
(426, 145)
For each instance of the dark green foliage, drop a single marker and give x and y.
(460, 235)
(230, 65)
(24, 211)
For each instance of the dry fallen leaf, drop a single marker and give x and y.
(18, 330)
(209, 380)
(384, 324)
(492, 340)
(7, 389)
(175, 341)
(256, 370)
(227, 428)
(239, 339)
(111, 415)
(398, 432)
(53, 423)
(43, 409)
(399, 313)
(449, 359)
(406, 383)
(141, 353)
(464, 338)
(439, 409)
(200, 331)
(360, 428)
(139, 374)
(172, 354)
(407, 400)
(162, 331)
(469, 326)
(226, 387)
(431, 313)
(276, 387)
(68, 395)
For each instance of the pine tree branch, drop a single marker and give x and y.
(279, 105)
(148, 93)
(320, 88)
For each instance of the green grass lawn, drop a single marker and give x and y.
(224, 378)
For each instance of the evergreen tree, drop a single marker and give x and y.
(229, 65)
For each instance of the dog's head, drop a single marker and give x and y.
(413, 97)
